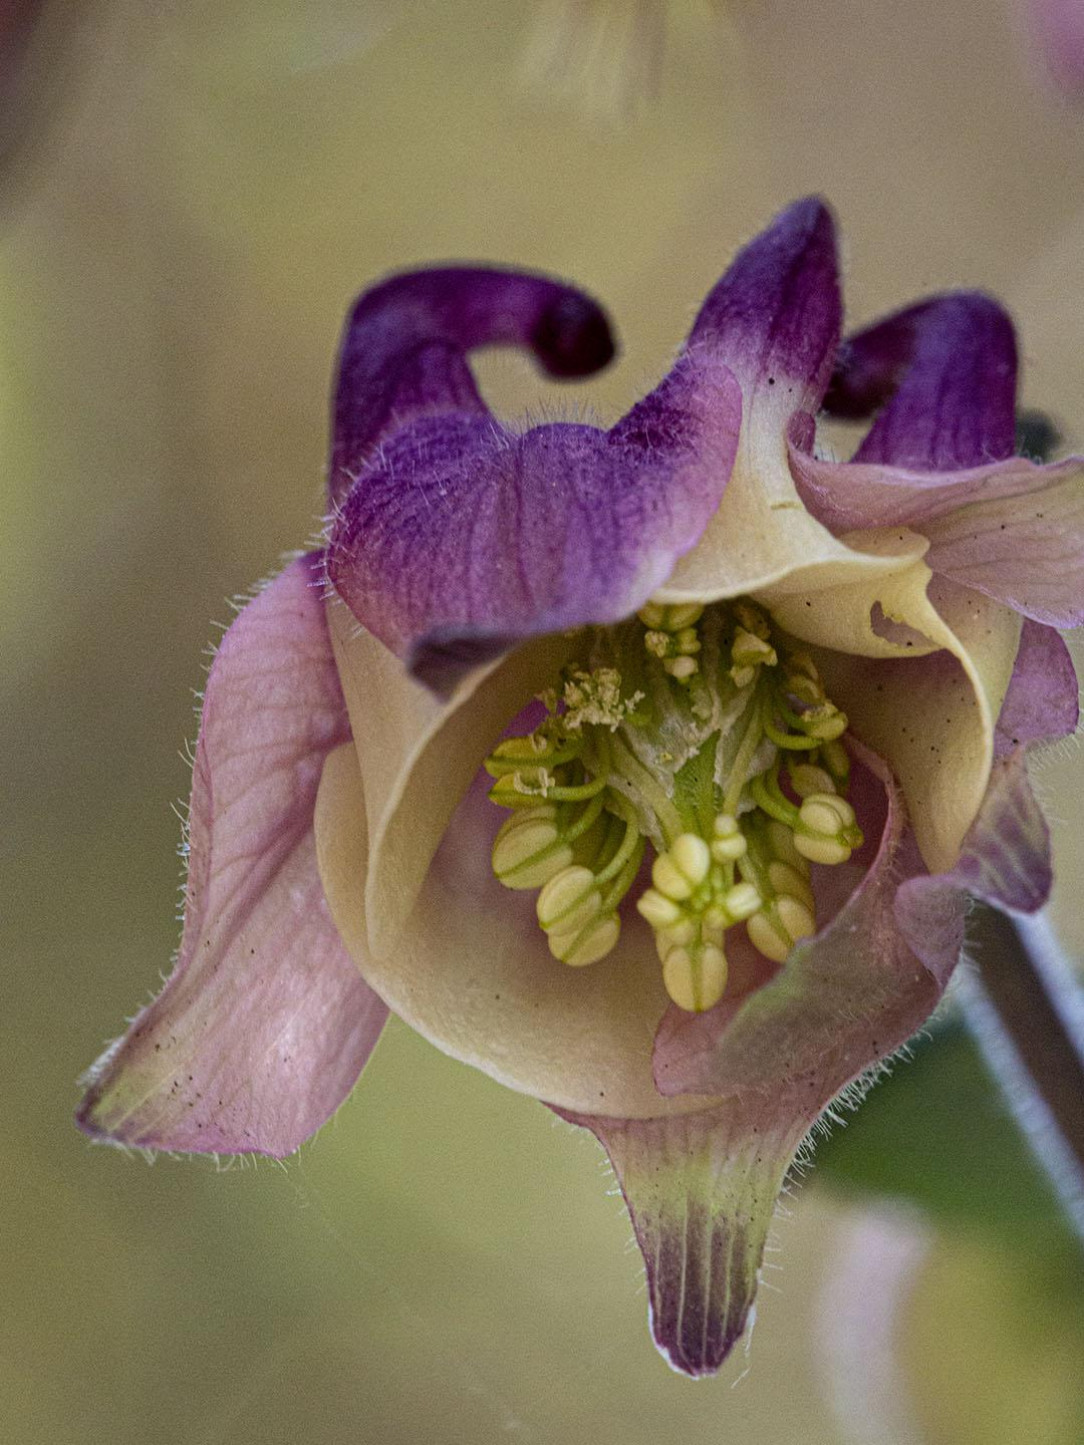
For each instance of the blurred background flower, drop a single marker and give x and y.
(216, 183)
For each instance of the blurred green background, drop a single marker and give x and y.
(198, 191)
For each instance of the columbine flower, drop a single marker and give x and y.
(646, 770)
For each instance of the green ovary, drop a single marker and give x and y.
(702, 733)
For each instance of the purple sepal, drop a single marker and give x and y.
(463, 538)
(1042, 703)
(454, 538)
(405, 342)
(701, 1192)
(265, 1023)
(1005, 861)
(944, 372)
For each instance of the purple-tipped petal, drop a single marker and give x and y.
(848, 997)
(701, 1190)
(405, 343)
(947, 369)
(1005, 860)
(775, 316)
(1042, 703)
(265, 1022)
(462, 539)
(774, 319)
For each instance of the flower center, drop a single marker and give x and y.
(706, 734)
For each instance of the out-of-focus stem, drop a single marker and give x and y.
(1024, 1006)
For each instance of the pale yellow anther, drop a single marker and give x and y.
(751, 618)
(829, 851)
(521, 840)
(826, 813)
(695, 978)
(826, 723)
(835, 758)
(681, 668)
(682, 615)
(805, 690)
(568, 899)
(774, 933)
(752, 651)
(807, 779)
(660, 911)
(714, 924)
(587, 945)
(657, 643)
(781, 842)
(742, 901)
(691, 855)
(728, 842)
(827, 831)
(679, 936)
(786, 879)
(651, 614)
(796, 917)
(668, 878)
(687, 641)
(677, 618)
(767, 939)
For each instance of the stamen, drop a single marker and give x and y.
(695, 978)
(737, 776)
(672, 637)
(827, 831)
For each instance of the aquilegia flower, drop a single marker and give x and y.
(647, 769)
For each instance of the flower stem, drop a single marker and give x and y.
(1024, 1006)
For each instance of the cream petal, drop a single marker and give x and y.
(762, 535)
(930, 713)
(418, 754)
(472, 973)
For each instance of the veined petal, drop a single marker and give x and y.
(1027, 552)
(405, 343)
(849, 495)
(265, 1022)
(774, 319)
(1042, 703)
(701, 1191)
(1005, 860)
(470, 969)
(844, 999)
(460, 539)
(946, 368)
